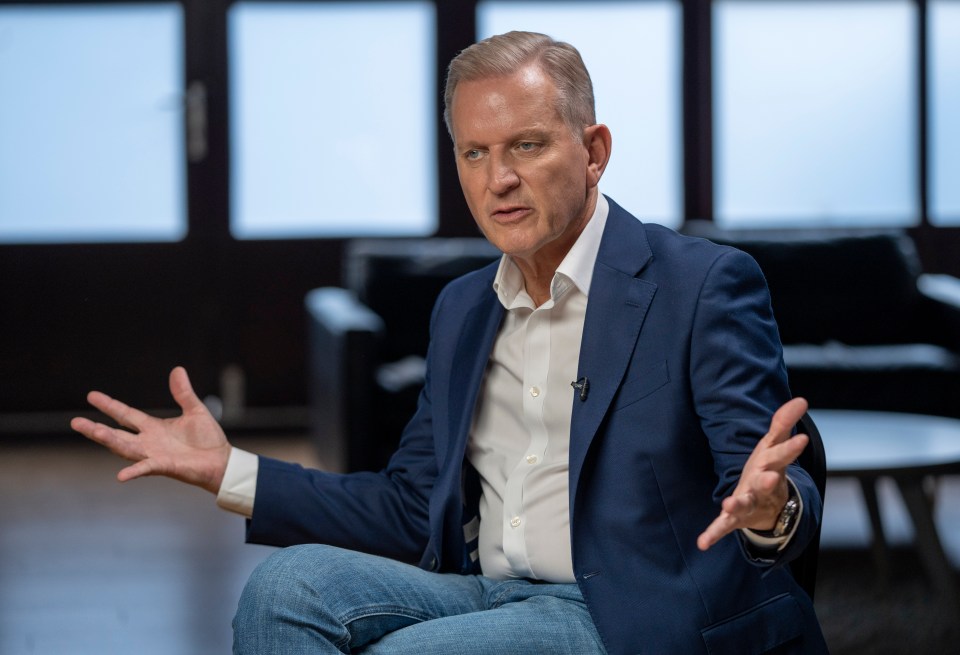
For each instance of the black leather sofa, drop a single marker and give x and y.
(862, 328)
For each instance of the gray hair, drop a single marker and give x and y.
(505, 54)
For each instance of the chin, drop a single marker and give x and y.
(515, 247)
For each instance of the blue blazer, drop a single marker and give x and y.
(685, 369)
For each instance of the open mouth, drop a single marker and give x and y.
(510, 214)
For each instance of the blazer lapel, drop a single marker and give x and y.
(479, 330)
(616, 309)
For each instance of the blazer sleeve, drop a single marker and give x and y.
(739, 379)
(384, 513)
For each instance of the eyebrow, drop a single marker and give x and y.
(538, 134)
(523, 134)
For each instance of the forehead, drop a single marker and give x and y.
(490, 105)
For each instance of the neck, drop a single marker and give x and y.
(537, 279)
(538, 270)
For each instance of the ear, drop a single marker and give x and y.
(598, 142)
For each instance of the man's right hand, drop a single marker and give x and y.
(191, 448)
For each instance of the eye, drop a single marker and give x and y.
(528, 147)
(472, 155)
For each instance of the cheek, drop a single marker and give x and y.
(559, 186)
(471, 189)
(464, 177)
(562, 179)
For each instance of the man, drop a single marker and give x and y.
(588, 402)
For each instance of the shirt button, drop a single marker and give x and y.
(515, 522)
(531, 459)
(534, 391)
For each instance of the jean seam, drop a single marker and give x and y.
(379, 610)
(503, 591)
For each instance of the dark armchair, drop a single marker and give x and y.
(862, 326)
(368, 340)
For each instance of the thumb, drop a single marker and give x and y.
(182, 390)
(136, 470)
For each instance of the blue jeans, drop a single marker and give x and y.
(320, 599)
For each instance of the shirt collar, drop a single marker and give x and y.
(576, 267)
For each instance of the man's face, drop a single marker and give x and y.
(525, 176)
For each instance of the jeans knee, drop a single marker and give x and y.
(276, 591)
(286, 591)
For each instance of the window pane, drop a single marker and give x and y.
(91, 123)
(944, 63)
(815, 118)
(333, 119)
(637, 88)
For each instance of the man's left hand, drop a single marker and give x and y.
(762, 491)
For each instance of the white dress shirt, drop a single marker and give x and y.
(521, 430)
(239, 485)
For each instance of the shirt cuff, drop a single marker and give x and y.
(239, 486)
(778, 543)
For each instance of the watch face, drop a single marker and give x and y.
(785, 522)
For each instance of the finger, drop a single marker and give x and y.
(737, 511)
(787, 452)
(718, 529)
(94, 431)
(182, 390)
(784, 420)
(83, 425)
(120, 442)
(120, 412)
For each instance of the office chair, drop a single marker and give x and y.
(813, 459)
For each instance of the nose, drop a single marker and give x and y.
(502, 175)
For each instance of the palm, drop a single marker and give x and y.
(191, 447)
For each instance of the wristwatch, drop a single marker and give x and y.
(788, 516)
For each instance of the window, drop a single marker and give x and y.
(91, 123)
(635, 65)
(944, 108)
(815, 113)
(333, 119)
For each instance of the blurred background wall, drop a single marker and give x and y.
(175, 176)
